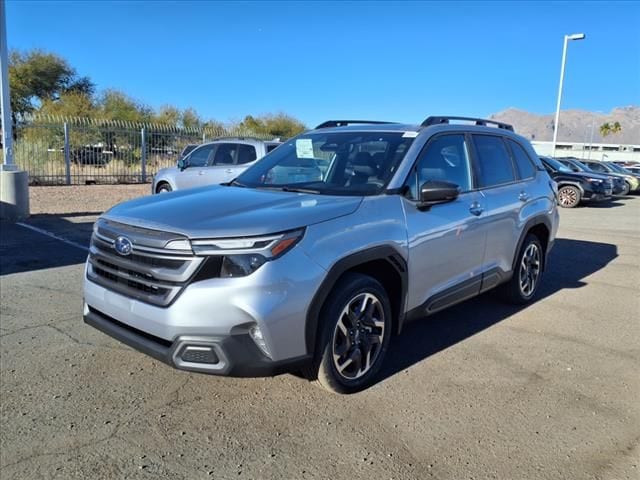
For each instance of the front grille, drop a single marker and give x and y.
(149, 274)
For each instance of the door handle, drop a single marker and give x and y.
(523, 197)
(476, 209)
(228, 170)
(201, 172)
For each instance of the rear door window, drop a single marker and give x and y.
(494, 165)
(524, 164)
(226, 154)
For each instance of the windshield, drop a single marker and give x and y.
(556, 165)
(579, 166)
(618, 168)
(344, 163)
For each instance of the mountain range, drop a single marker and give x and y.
(575, 125)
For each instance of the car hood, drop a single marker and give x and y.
(224, 211)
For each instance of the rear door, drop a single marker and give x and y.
(246, 156)
(506, 194)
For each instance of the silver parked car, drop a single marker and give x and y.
(211, 163)
(285, 269)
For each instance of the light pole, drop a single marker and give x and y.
(575, 36)
(5, 105)
(14, 184)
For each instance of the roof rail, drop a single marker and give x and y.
(344, 123)
(478, 121)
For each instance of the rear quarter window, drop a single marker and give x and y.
(524, 165)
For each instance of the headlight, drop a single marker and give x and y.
(243, 256)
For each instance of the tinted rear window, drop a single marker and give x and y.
(523, 161)
(494, 163)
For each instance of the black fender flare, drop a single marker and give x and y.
(386, 253)
(532, 222)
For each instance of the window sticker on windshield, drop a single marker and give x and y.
(410, 135)
(304, 148)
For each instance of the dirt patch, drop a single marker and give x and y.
(89, 199)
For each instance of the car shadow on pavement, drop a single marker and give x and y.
(24, 250)
(570, 262)
(612, 203)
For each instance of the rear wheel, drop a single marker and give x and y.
(164, 187)
(355, 336)
(569, 196)
(527, 274)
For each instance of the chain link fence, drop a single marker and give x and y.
(77, 151)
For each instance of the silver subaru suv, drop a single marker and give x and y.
(284, 269)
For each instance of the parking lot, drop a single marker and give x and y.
(482, 390)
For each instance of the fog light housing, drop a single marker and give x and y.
(256, 335)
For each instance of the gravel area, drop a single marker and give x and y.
(88, 199)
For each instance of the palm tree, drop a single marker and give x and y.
(610, 128)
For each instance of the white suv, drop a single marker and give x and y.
(212, 163)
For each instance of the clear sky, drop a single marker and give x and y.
(316, 60)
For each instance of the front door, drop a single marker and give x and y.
(195, 173)
(447, 241)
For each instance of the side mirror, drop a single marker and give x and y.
(436, 191)
(182, 164)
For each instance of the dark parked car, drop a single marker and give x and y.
(632, 184)
(574, 187)
(94, 156)
(619, 185)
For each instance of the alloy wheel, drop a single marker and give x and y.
(358, 336)
(567, 197)
(529, 270)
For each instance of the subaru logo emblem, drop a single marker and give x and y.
(123, 245)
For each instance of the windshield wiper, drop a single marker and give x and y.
(288, 189)
(299, 190)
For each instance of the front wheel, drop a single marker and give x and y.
(163, 188)
(356, 332)
(569, 196)
(626, 189)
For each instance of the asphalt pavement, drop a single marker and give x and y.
(480, 391)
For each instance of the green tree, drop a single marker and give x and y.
(277, 125)
(37, 76)
(168, 115)
(191, 119)
(117, 105)
(70, 104)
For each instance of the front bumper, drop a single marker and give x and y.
(232, 355)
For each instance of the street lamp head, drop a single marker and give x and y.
(576, 36)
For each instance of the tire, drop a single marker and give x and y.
(569, 196)
(527, 274)
(625, 191)
(353, 343)
(164, 187)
